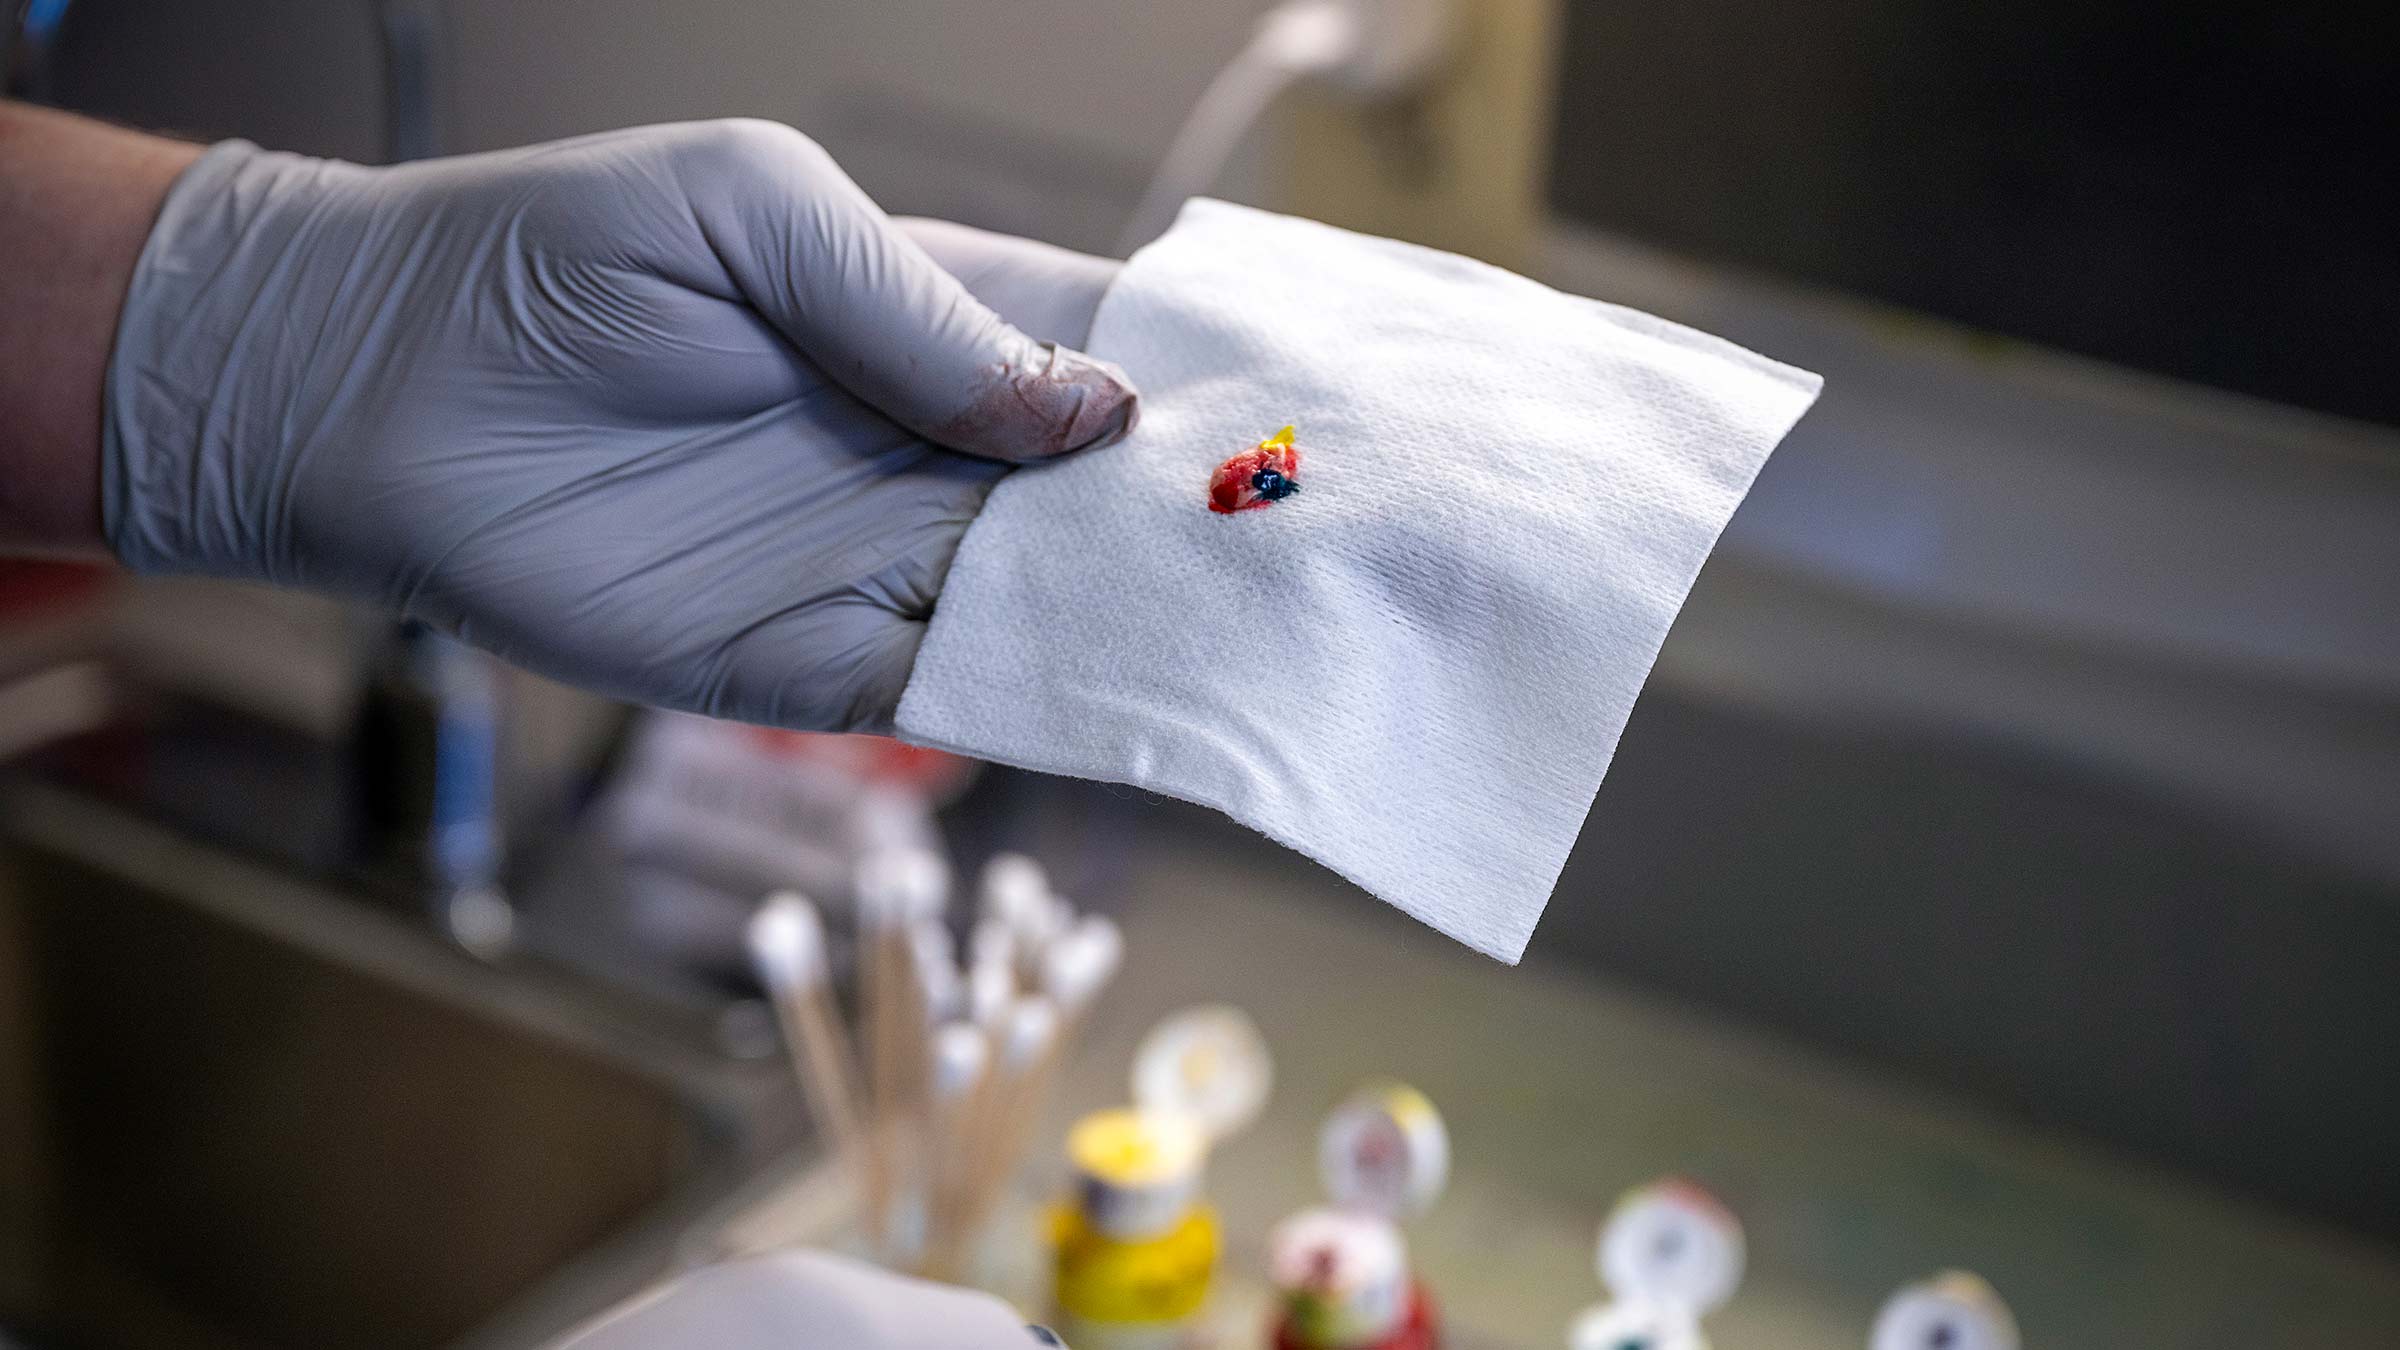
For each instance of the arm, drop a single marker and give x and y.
(76, 201)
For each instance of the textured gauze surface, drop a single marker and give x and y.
(1416, 668)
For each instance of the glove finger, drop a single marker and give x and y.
(1047, 291)
(865, 303)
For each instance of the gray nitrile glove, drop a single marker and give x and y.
(808, 1301)
(659, 412)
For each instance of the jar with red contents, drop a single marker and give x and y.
(1344, 1283)
(1342, 1272)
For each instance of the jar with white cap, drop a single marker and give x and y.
(1669, 1254)
(1952, 1311)
(1135, 1246)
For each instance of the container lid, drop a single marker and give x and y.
(1209, 1064)
(1385, 1152)
(899, 886)
(1952, 1311)
(1671, 1242)
(1136, 1148)
(1137, 1172)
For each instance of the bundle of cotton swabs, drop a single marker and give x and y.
(932, 1103)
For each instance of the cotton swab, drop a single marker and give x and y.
(1012, 886)
(992, 941)
(1015, 893)
(1059, 920)
(899, 891)
(787, 947)
(1028, 1032)
(951, 1069)
(933, 957)
(1079, 965)
(961, 1051)
(960, 1062)
(1034, 1031)
(1045, 926)
(1031, 1031)
(991, 973)
(955, 1055)
(1074, 971)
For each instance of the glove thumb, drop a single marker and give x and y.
(822, 263)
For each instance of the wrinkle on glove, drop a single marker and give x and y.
(1416, 667)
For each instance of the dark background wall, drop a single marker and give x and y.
(2206, 190)
(302, 75)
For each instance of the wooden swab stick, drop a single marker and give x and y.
(991, 976)
(787, 947)
(1078, 966)
(1015, 893)
(942, 992)
(899, 891)
(960, 1061)
(934, 957)
(991, 999)
(1027, 1033)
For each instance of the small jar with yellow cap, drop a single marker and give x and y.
(1136, 1246)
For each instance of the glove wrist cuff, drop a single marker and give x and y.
(184, 431)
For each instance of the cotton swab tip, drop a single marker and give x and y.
(1031, 1028)
(902, 885)
(1013, 887)
(787, 943)
(934, 955)
(961, 1050)
(1081, 963)
(1058, 918)
(991, 988)
(992, 943)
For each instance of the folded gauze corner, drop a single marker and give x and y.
(1414, 668)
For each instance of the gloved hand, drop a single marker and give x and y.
(809, 1301)
(660, 412)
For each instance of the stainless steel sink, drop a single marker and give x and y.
(242, 1109)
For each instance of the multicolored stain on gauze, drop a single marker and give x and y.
(1262, 475)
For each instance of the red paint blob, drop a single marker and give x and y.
(1234, 486)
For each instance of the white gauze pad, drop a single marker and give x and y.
(1414, 669)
